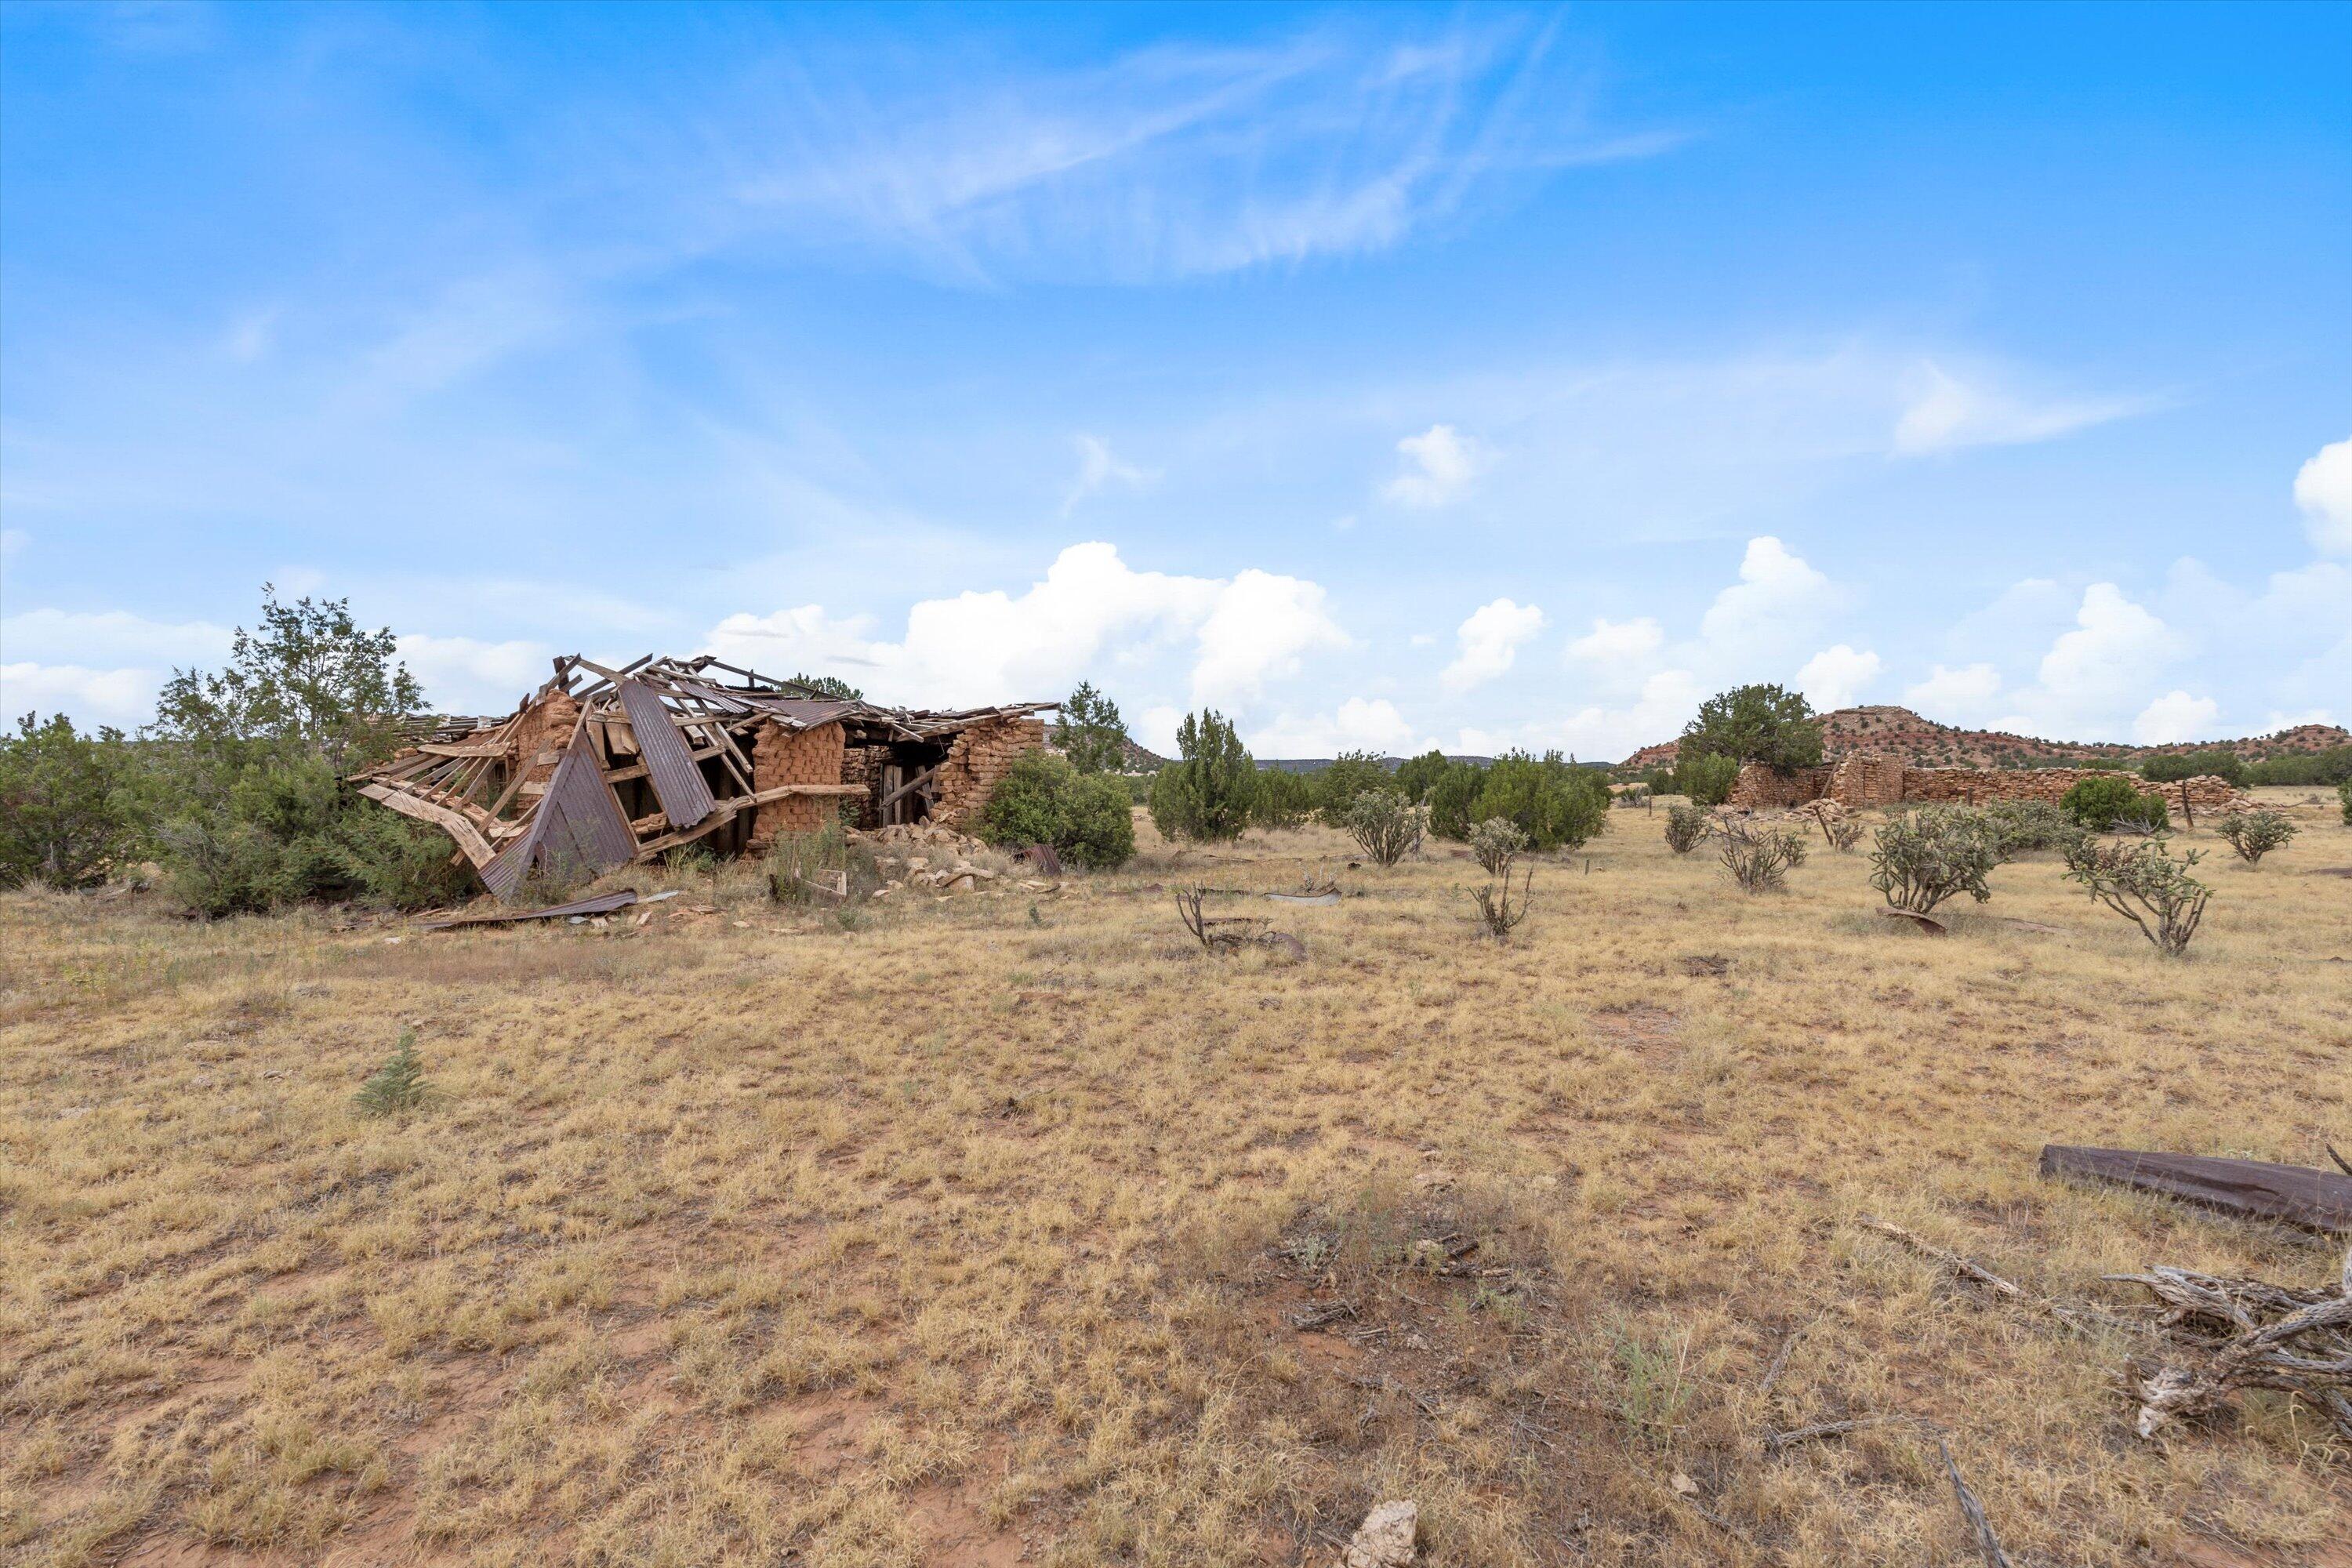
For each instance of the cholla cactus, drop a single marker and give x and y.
(1496, 842)
(2254, 834)
(2143, 883)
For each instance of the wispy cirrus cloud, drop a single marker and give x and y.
(1171, 161)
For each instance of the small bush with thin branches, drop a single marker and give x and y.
(1686, 826)
(1497, 842)
(2254, 834)
(1386, 824)
(1498, 913)
(1758, 859)
(2142, 882)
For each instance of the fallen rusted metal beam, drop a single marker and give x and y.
(2293, 1194)
(602, 904)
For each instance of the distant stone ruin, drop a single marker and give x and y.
(1856, 781)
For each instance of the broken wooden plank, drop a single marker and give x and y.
(2293, 1194)
(469, 838)
(602, 904)
(1928, 923)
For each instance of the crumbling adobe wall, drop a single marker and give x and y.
(781, 756)
(546, 729)
(977, 758)
(864, 765)
(1857, 782)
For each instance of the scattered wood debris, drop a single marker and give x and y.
(1928, 923)
(602, 904)
(2222, 1335)
(2295, 1195)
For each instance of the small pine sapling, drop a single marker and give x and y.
(396, 1087)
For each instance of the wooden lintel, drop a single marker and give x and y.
(468, 837)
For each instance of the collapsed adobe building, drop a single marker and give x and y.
(1856, 781)
(637, 761)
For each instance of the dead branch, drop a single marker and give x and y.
(1950, 1259)
(2224, 1335)
(1972, 1510)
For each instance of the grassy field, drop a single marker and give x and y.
(977, 1230)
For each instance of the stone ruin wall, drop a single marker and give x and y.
(978, 757)
(781, 756)
(1858, 781)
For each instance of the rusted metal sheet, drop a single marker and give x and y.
(2296, 1194)
(670, 766)
(578, 829)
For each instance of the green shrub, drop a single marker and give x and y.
(1351, 773)
(2254, 834)
(1554, 803)
(1284, 799)
(2143, 883)
(2023, 826)
(1415, 775)
(1453, 796)
(2112, 801)
(1929, 854)
(1044, 799)
(1705, 780)
(1206, 797)
(1685, 827)
(2331, 766)
(396, 1087)
(272, 824)
(2173, 767)
(2344, 794)
(1385, 825)
(72, 806)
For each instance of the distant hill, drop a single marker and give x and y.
(1139, 759)
(1891, 731)
(1316, 765)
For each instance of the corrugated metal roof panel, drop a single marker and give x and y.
(578, 829)
(677, 777)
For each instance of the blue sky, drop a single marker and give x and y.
(1382, 377)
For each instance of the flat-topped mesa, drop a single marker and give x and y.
(1858, 781)
(600, 767)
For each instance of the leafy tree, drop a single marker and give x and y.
(1351, 773)
(70, 804)
(1209, 794)
(1091, 733)
(1755, 723)
(831, 686)
(1045, 799)
(252, 812)
(2174, 767)
(310, 676)
(1452, 798)
(2331, 765)
(2344, 794)
(1415, 775)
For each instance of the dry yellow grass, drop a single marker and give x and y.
(973, 1234)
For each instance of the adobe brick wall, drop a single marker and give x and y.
(546, 729)
(979, 757)
(781, 756)
(1866, 781)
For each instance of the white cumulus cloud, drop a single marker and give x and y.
(466, 674)
(2174, 717)
(1836, 676)
(986, 646)
(1439, 466)
(1618, 642)
(1961, 695)
(2096, 675)
(1778, 599)
(2322, 488)
(1489, 641)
